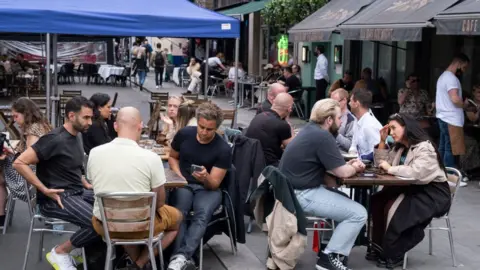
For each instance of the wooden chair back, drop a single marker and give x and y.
(229, 115)
(162, 97)
(193, 97)
(127, 212)
(72, 93)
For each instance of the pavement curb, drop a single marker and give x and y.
(244, 259)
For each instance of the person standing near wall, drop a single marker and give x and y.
(321, 72)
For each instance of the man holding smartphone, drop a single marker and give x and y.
(202, 158)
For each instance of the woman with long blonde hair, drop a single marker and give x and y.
(186, 115)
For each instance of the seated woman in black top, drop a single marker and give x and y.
(98, 133)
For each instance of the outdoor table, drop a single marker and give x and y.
(105, 71)
(366, 188)
(173, 180)
(242, 91)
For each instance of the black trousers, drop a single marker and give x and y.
(159, 73)
(321, 86)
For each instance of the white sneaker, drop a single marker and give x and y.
(177, 263)
(463, 184)
(60, 261)
(156, 87)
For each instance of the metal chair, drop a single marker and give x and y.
(218, 217)
(217, 83)
(454, 179)
(297, 99)
(130, 212)
(316, 220)
(36, 216)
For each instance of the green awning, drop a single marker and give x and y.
(245, 9)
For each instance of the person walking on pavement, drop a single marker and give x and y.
(321, 72)
(141, 62)
(158, 61)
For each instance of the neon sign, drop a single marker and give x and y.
(282, 46)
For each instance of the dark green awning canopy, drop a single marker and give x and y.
(461, 19)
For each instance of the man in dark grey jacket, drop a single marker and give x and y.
(346, 131)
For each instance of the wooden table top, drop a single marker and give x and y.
(383, 180)
(173, 180)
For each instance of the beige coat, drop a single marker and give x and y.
(421, 163)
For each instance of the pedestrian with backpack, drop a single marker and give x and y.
(158, 61)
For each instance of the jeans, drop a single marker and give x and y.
(203, 203)
(159, 73)
(141, 76)
(349, 215)
(445, 146)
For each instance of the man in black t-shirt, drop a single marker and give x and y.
(272, 130)
(200, 156)
(305, 163)
(291, 81)
(62, 192)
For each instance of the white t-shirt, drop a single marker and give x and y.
(123, 166)
(231, 73)
(446, 110)
(214, 61)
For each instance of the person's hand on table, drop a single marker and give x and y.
(357, 164)
(201, 175)
(382, 164)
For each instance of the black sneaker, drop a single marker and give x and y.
(329, 262)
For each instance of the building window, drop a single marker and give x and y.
(385, 64)
(368, 55)
(401, 65)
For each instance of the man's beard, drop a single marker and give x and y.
(334, 130)
(78, 126)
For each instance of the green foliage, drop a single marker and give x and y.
(287, 13)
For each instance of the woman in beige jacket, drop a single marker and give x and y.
(400, 214)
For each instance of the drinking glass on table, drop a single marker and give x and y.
(149, 144)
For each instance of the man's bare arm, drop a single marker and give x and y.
(174, 162)
(455, 98)
(215, 178)
(344, 171)
(160, 195)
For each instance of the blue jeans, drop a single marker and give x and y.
(445, 146)
(203, 203)
(350, 216)
(141, 76)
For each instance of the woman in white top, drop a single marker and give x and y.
(193, 70)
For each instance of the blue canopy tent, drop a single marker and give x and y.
(166, 18)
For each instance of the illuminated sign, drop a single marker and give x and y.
(283, 50)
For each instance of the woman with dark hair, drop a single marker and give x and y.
(98, 133)
(32, 122)
(400, 214)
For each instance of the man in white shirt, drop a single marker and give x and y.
(449, 106)
(123, 166)
(347, 128)
(321, 72)
(367, 128)
(216, 62)
(231, 72)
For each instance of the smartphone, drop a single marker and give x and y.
(371, 175)
(196, 168)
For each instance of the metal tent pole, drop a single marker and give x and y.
(48, 74)
(43, 57)
(55, 79)
(205, 78)
(235, 92)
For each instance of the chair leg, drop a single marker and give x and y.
(7, 217)
(108, 259)
(200, 263)
(27, 249)
(450, 238)
(405, 259)
(40, 246)
(160, 253)
(84, 257)
(12, 210)
(430, 240)
(250, 224)
(231, 236)
(152, 257)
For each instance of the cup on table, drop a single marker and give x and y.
(149, 144)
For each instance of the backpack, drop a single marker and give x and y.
(159, 60)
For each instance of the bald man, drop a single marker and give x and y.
(271, 128)
(273, 91)
(123, 166)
